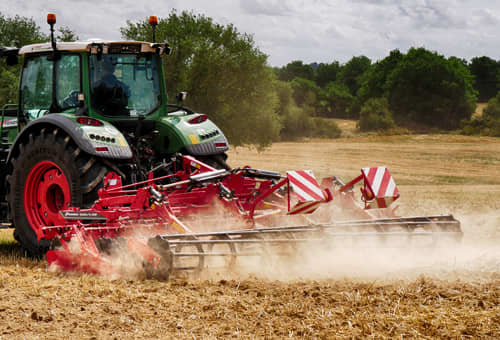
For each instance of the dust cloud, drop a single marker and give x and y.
(476, 256)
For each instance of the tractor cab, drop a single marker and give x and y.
(109, 79)
(116, 82)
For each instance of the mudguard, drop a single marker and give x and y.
(103, 141)
(199, 139)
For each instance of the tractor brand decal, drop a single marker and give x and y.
(305, 186)
(194, 139)
(122, 143)
(9, 123)
(81, 215)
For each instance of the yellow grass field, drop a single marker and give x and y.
(362, 294)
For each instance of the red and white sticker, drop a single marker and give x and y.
(305, 186)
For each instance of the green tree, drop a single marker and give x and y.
(339, 100)
(374, 81)
(19, 31)
(306, 93)
(429, 89)
(66, 34)
(296, 69)
(223, 70)
(351, 74)
(375, 115)
(486, 72)
(327, 73)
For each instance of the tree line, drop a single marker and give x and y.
(228, 77)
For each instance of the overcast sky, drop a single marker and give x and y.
(310, 31)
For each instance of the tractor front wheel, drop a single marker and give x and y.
(50, 173)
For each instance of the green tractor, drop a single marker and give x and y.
(87, 109)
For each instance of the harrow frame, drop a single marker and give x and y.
(151, 216)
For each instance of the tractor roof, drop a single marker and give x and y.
(83, 46)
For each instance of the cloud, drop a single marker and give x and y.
(266, 7)
(308, 30)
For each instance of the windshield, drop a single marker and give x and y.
(124, 84)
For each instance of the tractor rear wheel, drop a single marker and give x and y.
(49, 173)
(216, 161)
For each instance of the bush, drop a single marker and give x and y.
(325, 128)
(297, 121)
(483, 126)
(486, 125)
(375, 115)
(492, 111)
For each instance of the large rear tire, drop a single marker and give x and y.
(49, 173)
(216, 161)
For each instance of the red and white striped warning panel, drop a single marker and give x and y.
(304, 208)
(305, 185)
(308, 191)
(380, 182)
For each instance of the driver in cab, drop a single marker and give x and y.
(110, 94)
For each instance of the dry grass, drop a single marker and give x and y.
(55, 306)
(348, 127)
(459, 172)
(436, 174)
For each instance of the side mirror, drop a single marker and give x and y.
(181, 97)
(11, 60)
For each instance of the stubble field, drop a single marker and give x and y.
(451, 293)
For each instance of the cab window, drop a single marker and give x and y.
(68, 81)
(36, 84)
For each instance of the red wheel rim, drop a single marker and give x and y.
(46, 192)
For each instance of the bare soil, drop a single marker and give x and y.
(358, 294)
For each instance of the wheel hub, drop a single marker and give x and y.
(46, 192)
